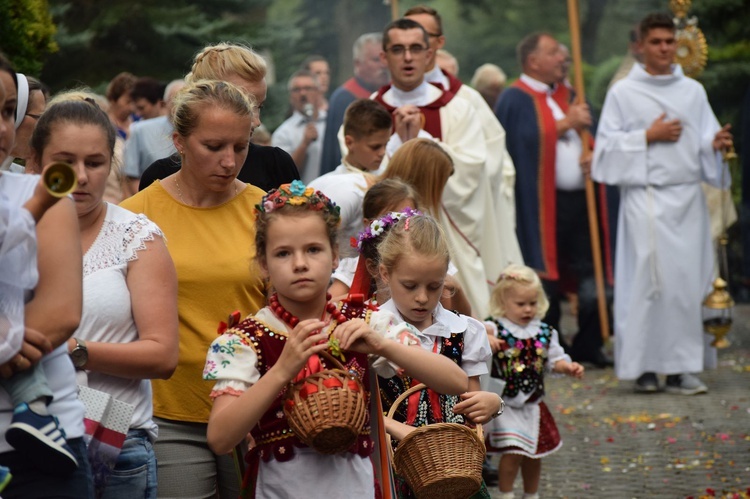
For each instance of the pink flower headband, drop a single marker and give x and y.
(511, 277)
(297, 194)
(381, 225)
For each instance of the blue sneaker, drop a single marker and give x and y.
(5, 477)
(41, 440)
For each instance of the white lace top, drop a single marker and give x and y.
(107, 314)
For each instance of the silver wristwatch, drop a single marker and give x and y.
(80, 354)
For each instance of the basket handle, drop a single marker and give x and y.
(403, 396)
(333, 360)
(329, 358)
(416, 388)
(392, 411)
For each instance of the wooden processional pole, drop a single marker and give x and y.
(596, 253)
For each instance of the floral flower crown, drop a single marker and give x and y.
(297, 194)
(379, 226)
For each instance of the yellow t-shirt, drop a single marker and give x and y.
(213, 250)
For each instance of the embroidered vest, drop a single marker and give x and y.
(520, 363)
(273, 436)
(424, 407)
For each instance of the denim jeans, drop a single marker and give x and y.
(134, 475)
(30, 482)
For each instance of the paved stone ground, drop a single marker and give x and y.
(619, 444)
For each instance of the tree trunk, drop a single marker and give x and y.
(590, 28)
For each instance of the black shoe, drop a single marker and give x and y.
(647, 383)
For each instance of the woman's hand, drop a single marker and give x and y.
(356, 335)
(479, 407)
(305, 340)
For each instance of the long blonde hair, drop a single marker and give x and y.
(426, 166)
(517, 275)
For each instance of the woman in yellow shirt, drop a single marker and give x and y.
(206, 215)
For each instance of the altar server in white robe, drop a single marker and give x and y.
(658, 139)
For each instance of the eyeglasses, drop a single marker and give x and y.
(34, 116)
(399, 50)
(297, 90)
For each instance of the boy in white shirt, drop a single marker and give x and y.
(367, 128)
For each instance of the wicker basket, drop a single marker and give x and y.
(439, 461)
(327, 409)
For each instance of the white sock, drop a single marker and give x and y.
(506, 495)
(535, 495)
(39, 406)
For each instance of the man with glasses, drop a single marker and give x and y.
(544, 126)
(298, 135)
(420, 109)
(501, 174)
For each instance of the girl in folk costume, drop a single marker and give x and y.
(413, 259)
(254, 361)
(524, 348)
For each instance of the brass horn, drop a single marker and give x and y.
(60, 179)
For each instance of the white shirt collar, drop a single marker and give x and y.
(302, 119)
(436, 75)
(444, 324)
(521, 332)
(419, 96)
(535, 84)
(639, 72)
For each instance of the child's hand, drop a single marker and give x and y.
(356, 335)
(306, 339)
(479, 407)
(396, 429)
(41, 201)
(496, 344)
(575, 369)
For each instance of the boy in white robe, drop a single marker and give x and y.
(659, 139)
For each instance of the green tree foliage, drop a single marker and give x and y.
(100, 39)
(26, 33)
(314, 27)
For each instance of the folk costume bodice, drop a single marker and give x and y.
(273, 436)
(521, 362)
(426, 406)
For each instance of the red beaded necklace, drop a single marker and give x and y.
(292, 320)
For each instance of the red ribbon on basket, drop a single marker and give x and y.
(312, 366)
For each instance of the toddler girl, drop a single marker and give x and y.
(253, 362)
(524, 348)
